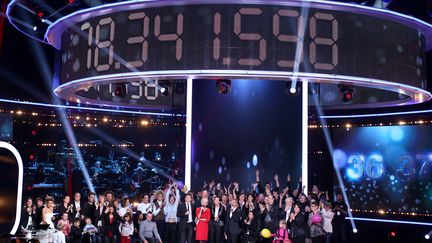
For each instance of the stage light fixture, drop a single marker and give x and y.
(179, 88)
(292, 91)
(164, 87)
(355, 231)
(35, 28)
(346, 93)
(119, 90)
(223, 86)
(427, 237)
(392, 234)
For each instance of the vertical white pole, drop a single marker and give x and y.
(305, 135)
(188, 148)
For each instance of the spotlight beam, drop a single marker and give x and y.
(330, 147)
(299, 49)
(47, 77)
(390, 221)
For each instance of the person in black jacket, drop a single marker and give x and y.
(76, 232)
(186, 214)
(38, 211)
(89, 209)
(65, 207)
(298, 222)
(232, 222)
(218, 215)
(111, 225)
(250, 229)
(28, 219)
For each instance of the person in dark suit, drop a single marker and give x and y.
(100, 208)
(186, 214)
(65, 207)
(76, 205)
(38, 211)
(286, 210)
(250, 229)
(89, 209)
(232, 222)
(299, 225)
(218, 216)
(28, 219)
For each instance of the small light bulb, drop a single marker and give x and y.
(355, 231)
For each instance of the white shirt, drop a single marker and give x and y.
(126, 229)
(59, 237)
(288, 212)
(216, 211)
(189, 208)
(122, 211)
(231, 211)
(328, 217)
(144, 207)
(77, 205)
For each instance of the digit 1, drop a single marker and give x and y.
(250, 37)
(86, 26)
(104, 44)
(323, 41)
(289, 38)
(216, 30)
(171, 37)
(140, 39)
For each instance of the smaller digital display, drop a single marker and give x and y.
(6, 127)
(386, 168)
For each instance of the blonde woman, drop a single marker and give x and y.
(202, 221)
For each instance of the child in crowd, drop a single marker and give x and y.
(282, 233)
(126, 228)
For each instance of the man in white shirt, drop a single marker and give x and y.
(145, 205)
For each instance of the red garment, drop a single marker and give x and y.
(125, 239)
(202, 227)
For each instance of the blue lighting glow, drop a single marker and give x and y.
(396, 134)
(255, 160)
(339, 158)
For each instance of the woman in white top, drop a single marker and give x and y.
(47, 212)
(328, 215)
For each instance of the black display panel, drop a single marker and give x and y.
(252, 128)
(6, 127)
(243, 37)
(386, 168)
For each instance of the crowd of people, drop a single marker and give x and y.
(212, 214)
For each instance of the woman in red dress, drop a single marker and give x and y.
(202, 221)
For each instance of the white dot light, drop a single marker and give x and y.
(35, 28)
(292, 90)
(427, 237)
(355, 231)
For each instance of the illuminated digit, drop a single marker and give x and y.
(323, 41)
(374, 166)
(104, 44)
(151, 85)
(140, 39)
(140, 90)
(250, 37)
(171, 37)
(355, 166)
(86, 26)
(406, 168)
(216, 41)
(289, 38)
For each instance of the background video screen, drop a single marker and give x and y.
(387, 167)
(255, 127)
(6, 127)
